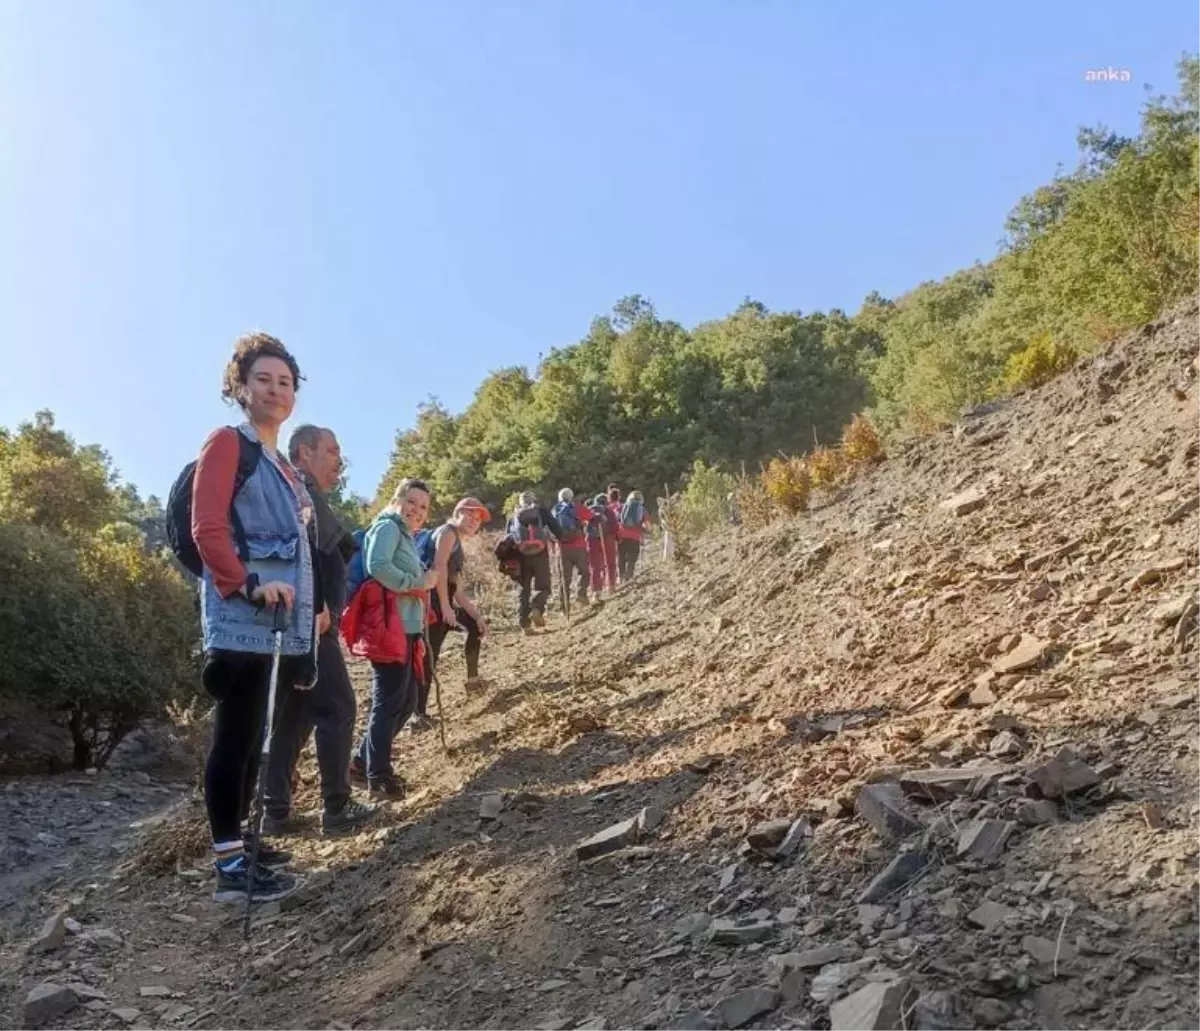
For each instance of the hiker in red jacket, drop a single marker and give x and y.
(634, 522)
(573, 516)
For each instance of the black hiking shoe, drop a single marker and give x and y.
(265, 885)
(269, 856)
(351, 815)
(289, 823)
(539, 620)
(393, 788)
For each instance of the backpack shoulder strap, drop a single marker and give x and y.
(249, 453)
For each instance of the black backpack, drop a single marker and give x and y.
(179, 507)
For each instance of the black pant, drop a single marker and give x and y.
(535, 572)
(329, 709)
(437, 637)
(574, 560)
(393, 699)
(238, 681)
(627, 556)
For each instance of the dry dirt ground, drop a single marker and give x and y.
(1011, 605)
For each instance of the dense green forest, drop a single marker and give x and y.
(641, 398)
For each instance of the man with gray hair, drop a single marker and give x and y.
(572, 548)
(330, 707)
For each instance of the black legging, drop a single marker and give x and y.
(238, 681)
(437, 637)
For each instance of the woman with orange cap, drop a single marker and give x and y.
(452, 607)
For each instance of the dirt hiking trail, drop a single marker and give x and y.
(925, 757)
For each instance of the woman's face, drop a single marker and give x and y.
(270, 392)
(469, 523)
(414, 509)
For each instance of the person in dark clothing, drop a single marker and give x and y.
(330, 707)
(452, 607)
(532, 527)
(240, 592)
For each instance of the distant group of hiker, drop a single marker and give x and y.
(598, 545)
(283, 584)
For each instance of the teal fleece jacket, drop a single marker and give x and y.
(391, 558)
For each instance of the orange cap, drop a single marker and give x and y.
(473, 505)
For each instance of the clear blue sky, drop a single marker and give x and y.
(411, 195)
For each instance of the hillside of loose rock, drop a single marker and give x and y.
(925, 757)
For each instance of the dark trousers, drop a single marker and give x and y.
(437, 637)
(627, 556)
(238, 681)
(535, 574)
(393, 700)
(329, 710)
(574, 561)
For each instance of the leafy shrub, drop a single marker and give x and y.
(787, 483)
(1038, 363)
(704, 503)
(861, 442)
(102, 636)
(825, 466)
(753, 507)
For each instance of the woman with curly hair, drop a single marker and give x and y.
(253, 527)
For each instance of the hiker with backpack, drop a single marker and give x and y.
(573, 516)
(602, 545)
(532, 529)
(385, 623)
(635, 520)
(452, 608)
(331, 706)
(241, 519)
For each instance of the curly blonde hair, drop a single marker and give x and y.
(246, 352)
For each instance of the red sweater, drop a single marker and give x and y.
(212, 494)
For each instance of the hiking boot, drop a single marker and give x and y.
(539, 620)
(358, 771)
(275, 825)
(265, 885)
(477, 685)
(388, 788)
(268, 856)
(527, 631)
(351, 815)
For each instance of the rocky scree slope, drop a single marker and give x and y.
(926, 757)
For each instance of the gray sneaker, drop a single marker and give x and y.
(351, 815)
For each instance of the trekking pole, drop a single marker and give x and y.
(280, 625)
(604, 555)
(564, 593)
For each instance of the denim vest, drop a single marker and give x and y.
(273, 519)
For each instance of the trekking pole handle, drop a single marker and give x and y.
(281, 618)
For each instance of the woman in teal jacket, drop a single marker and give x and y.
(390, 556)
